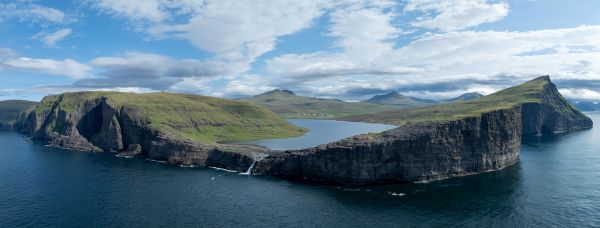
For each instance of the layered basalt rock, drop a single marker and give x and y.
(96, 125)
(421, 152)
(476, 142)
(431, 150)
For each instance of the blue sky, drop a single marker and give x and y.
(339, 49)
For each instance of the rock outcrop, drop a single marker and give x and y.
(96, 125)
(433, 150)
(412, 153)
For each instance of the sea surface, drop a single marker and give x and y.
(320, 132)
(555, 184)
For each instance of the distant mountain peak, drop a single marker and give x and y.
(281, 91)
(392, 93)
(398, 99)
(465, 97)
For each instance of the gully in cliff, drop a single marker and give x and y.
(430, 143)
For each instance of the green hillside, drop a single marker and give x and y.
(11, 109)
(529, 92)
(465, 97)
(289, 105)
(199, 118)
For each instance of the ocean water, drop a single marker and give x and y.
(556, 184)
(321, 132)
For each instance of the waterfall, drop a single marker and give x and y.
(249, 172)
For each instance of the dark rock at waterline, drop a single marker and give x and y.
(432, 150)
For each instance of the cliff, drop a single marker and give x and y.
(436, 142)
(430, 143)
(10, 112)
(181, 129)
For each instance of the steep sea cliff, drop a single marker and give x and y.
(94, 123)
(431, 150)
(431, 143)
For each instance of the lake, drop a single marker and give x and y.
(320, 132)
(556, 184)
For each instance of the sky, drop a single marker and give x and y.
(350, 50)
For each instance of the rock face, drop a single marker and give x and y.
(553, 115)
(408, 154)
(98, 126)
(420, 151)
(431, 150)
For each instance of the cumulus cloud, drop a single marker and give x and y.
(454, 15)
(371, 53)
(51, 38)
(464, 59)
(234, 31)
(33, 13)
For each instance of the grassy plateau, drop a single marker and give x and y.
(529, 92)
(199, 118)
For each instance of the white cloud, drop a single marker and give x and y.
(31, 13)
(235, 31)
(581, 94)
(50, 39)
(365, 30)
(66, 67)
(437, 63)
(453, 15)
(136, 9)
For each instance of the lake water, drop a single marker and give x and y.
(556, 184)
(321, 132)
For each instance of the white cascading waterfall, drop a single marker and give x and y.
(249, 171)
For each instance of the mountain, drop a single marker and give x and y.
(436, 142)
(397, 99)
(465, 97)
(10, 110)
(290, 105)
(403, 101)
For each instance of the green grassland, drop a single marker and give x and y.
(199, 118)
(529, 92)
(289, 105)
(11, 109)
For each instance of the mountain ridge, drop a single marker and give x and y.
(289, 105)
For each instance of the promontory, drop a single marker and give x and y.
(430, 143)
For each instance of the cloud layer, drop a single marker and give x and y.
(438, 53)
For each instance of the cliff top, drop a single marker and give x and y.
(534, 91)
(199, 118)
(10, 109)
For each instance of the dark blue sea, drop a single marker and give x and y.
(555, 184)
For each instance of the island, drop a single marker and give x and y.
(430, 143)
